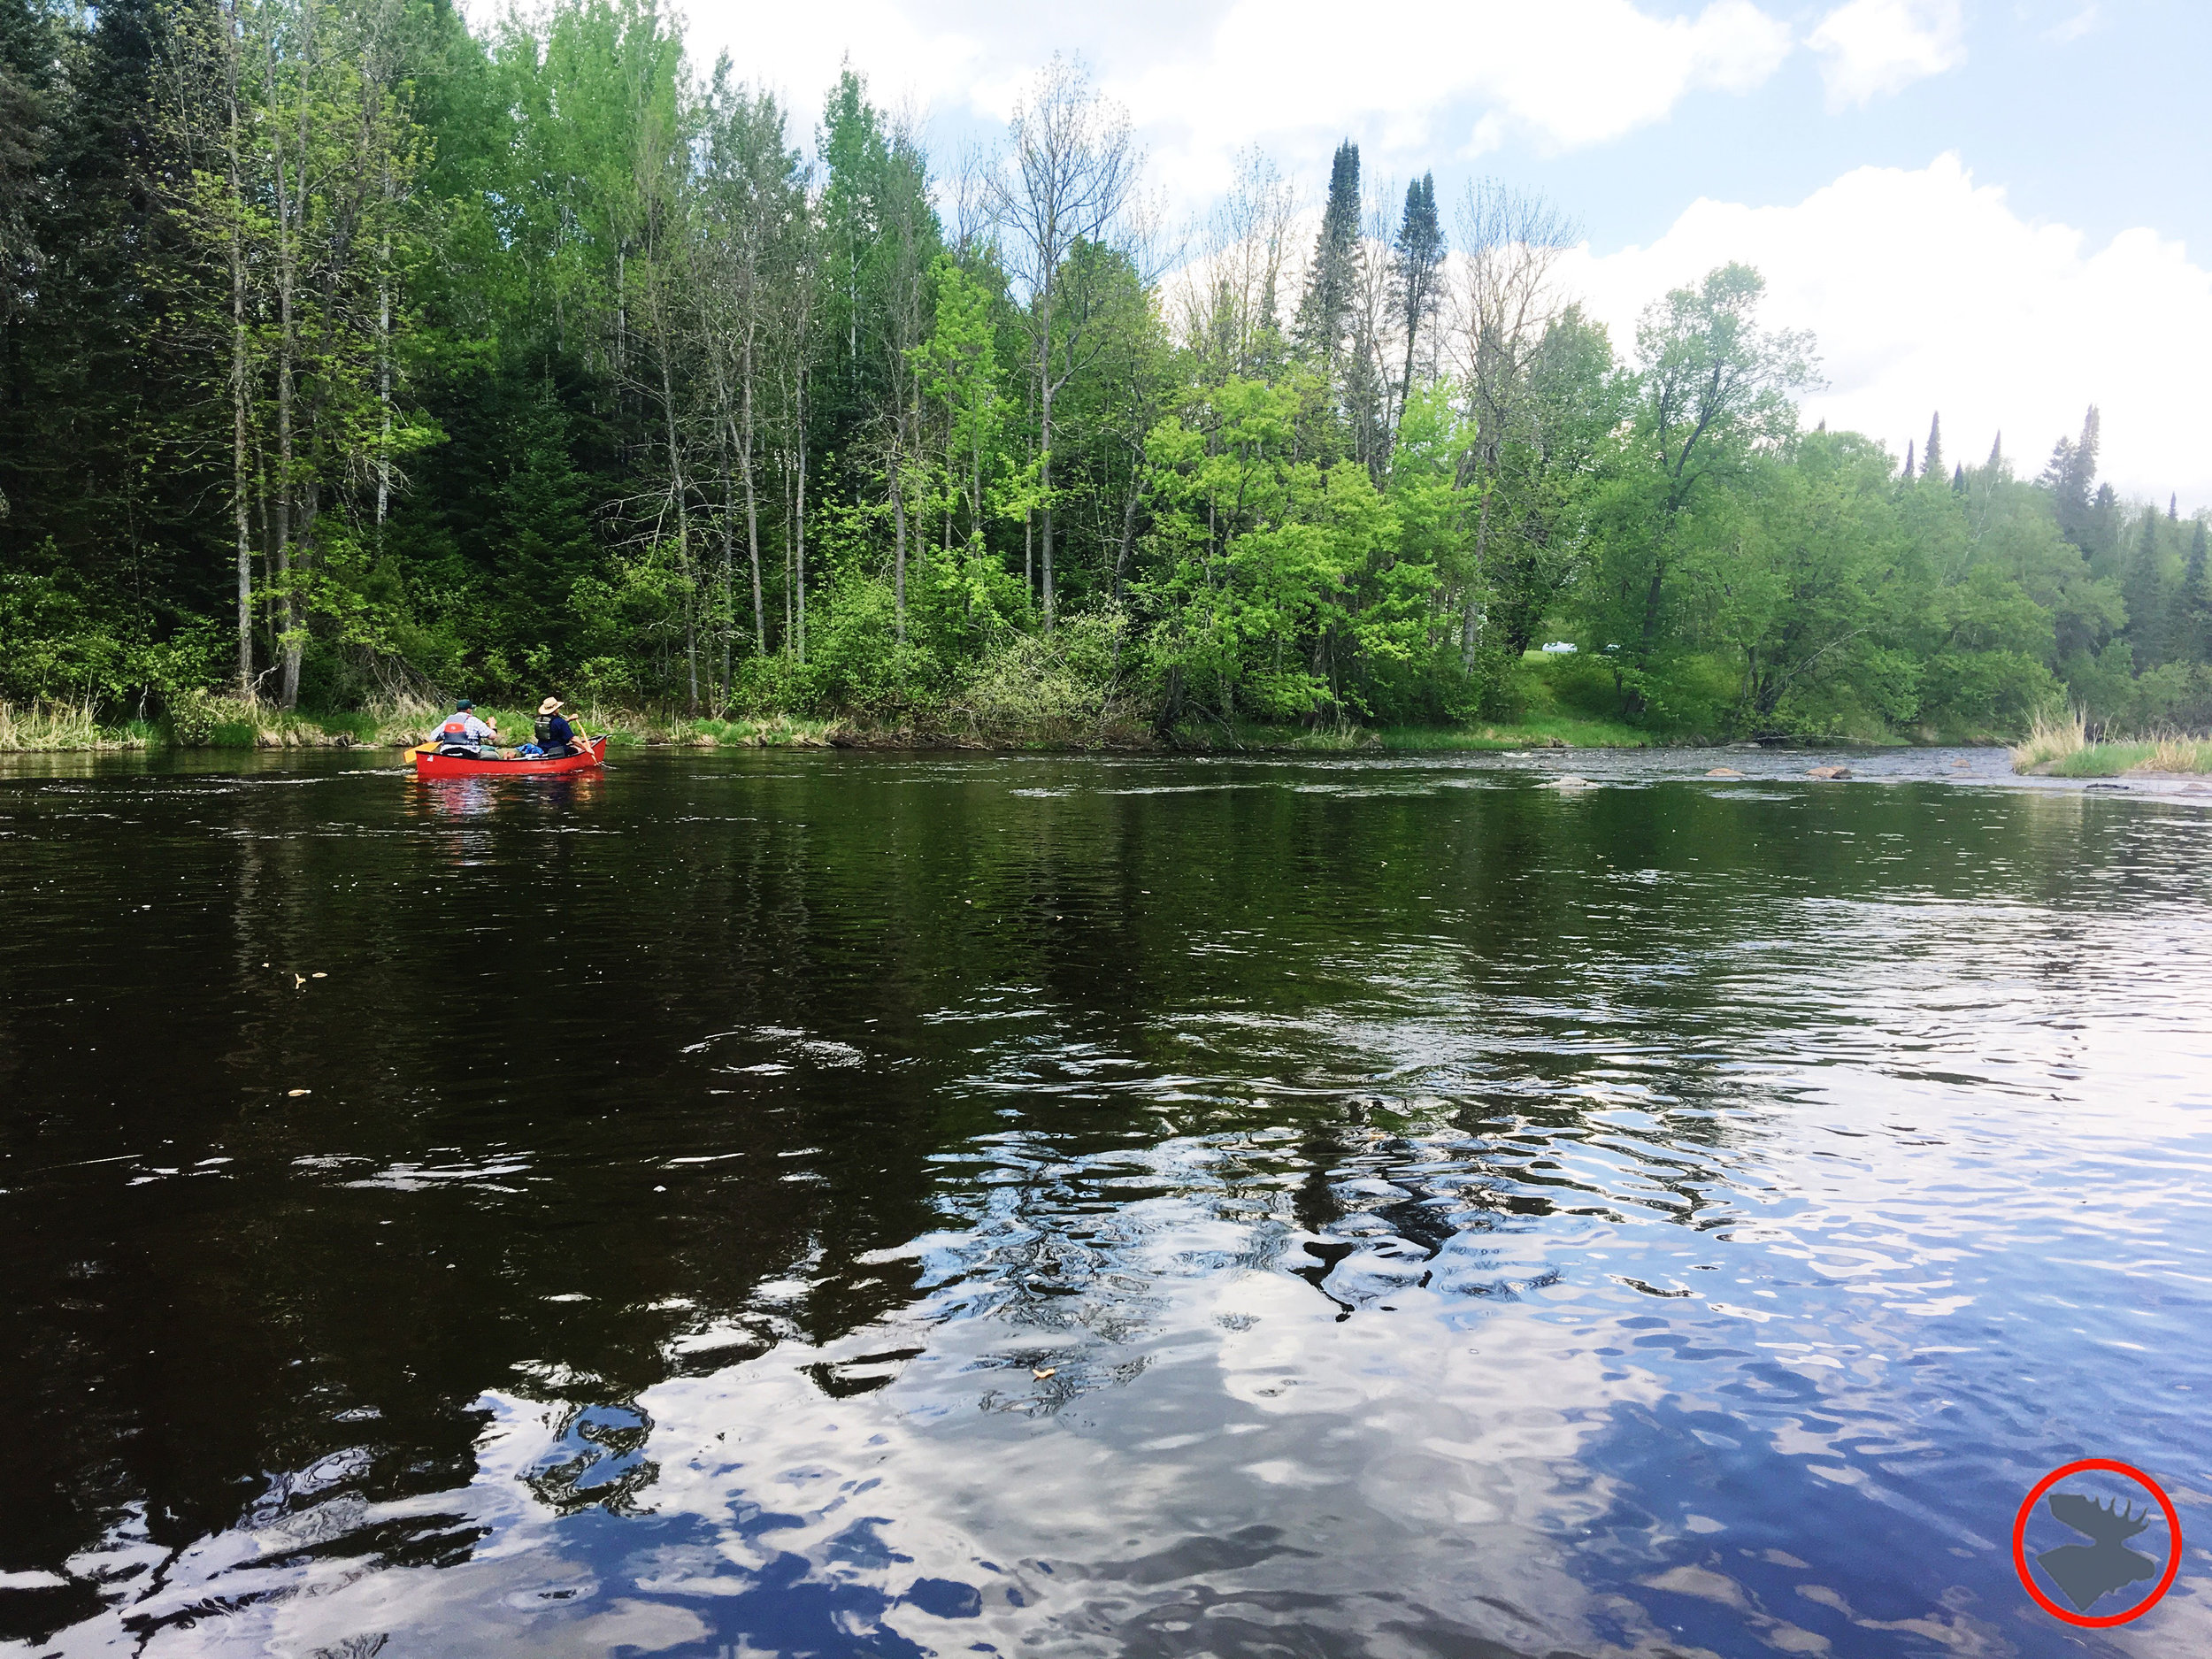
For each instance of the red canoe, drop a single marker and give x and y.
(591, 753)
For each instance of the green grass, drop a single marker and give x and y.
(760, 731)
(55, 726)
(2054, 739)
(1533, 731)
(2058, 746)
(362, 729)
(2101, 760)
(2143, 755)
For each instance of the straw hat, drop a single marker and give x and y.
(549, 705)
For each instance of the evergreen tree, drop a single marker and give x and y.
(2144, 595)
(1931, 458)
(1908, 472)
(2189, 633)
(1958, 479)
(1417, 265)
(91, 402)
(2071, 471)
(29, 54)
(1326, 307)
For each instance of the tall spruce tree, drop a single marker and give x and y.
(1326, 308)
(2144, 595)
(2071, 471)
(2189, 632)
(1931, 456)
(1417, 264)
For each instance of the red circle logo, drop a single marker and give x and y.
(2083, 1466)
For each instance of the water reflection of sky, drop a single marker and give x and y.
(1707, 1270)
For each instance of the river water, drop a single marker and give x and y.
(837, 1203)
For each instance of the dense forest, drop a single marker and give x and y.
(348, 355)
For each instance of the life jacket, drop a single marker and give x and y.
(453, 736)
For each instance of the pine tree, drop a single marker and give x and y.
(1931, 458)
(28, 51)
(1417, 264)
(2144, 592)
(1323, 312)
(1909, 474)
(2189, 631)
(2073, 470)
(1958, 479)
(2173, 508)
(1996, 453)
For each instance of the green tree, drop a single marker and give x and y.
(1715, 392)
(1416, 290)
(2145, 594)
(1324, 311)
(2189, 629)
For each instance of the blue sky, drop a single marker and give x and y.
(2104, 129)
(1992, 208)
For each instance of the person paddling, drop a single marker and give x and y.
(464, 731)
(556, 736)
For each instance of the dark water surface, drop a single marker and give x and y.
(849, 1204)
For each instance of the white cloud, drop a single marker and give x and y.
(1876, 47)
(2073, 28)
(1928, 292)
(1567, 74)
(1204, 79)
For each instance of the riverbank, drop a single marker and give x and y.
(228, 724)
(201, 721)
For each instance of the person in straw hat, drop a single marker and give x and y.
(554, 735)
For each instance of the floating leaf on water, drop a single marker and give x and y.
(1048, 1372)
(298, 1091)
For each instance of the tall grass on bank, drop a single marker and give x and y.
(2181, 754)
(2058, 746)
(200, 719)
(63, 725)
(2054, 735)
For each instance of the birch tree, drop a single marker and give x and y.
(1069, 177)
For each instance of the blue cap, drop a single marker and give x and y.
(464, 703)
